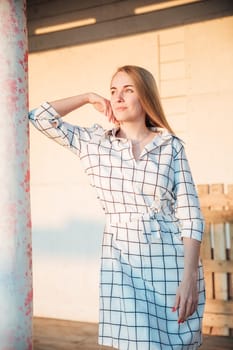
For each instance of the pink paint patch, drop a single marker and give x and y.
(21, 44)
(28, 299)
(26, 182)
(10, 86)
(29, 344)
(29, 255)
(29, 223)
(24, 62)
(27, 176)
(28, 303)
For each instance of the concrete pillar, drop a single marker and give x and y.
(15, 223)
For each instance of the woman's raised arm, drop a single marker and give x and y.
(67, 105)
(47, 119)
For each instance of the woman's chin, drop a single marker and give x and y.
(123, 119)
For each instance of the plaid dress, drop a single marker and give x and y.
(150, 204)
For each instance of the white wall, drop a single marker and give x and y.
(193, 67)
(196, 80)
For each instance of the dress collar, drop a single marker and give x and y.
(163, 135)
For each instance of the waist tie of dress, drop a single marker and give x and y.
(153, 222)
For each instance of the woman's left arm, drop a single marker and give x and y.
(187, 210)
(187, 292)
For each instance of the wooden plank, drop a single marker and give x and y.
(230, 275)
(220, 279)
(206, 244)
(219, 322)
(202, 190)
(218, 313)
(230, 190)
(218, 266)
(206, 253)
(217, 216)
(230, 255)
(217, 199)
(219, 306)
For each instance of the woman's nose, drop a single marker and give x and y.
(119, 96)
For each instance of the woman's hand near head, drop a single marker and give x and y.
(102, 105)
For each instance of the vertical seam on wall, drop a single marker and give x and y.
(159, 64)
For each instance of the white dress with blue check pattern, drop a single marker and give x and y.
(150, 204)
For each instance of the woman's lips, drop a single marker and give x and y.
(121, 108)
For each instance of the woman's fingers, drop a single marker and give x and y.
(177, 301)
(182, 312)
(103, 106)
(109, 113)
(98, 102)
(186, 302)
(186, 310)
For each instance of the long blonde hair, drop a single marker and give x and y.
(147, 90)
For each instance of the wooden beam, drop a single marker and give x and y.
(220, 199)
(222, 266)
(218, 320)
(99, 8)
(129, 25)
(218, 216)
(219, 306)
(39, 10)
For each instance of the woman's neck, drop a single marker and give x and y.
(133, 132)
(139, 135)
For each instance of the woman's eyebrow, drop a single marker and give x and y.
(125, 86)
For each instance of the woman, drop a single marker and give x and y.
(151, 289)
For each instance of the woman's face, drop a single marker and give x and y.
(125, 101)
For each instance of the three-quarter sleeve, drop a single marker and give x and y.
(187, 207)
(49, 122)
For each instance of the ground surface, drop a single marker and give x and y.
(50, 334)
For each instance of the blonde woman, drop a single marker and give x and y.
(151, 289)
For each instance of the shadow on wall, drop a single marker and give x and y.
(78, 238)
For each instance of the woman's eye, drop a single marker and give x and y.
(129, 90)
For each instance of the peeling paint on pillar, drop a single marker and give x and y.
(15, 223)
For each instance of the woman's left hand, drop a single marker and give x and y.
(186, 298)
(102, 105)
